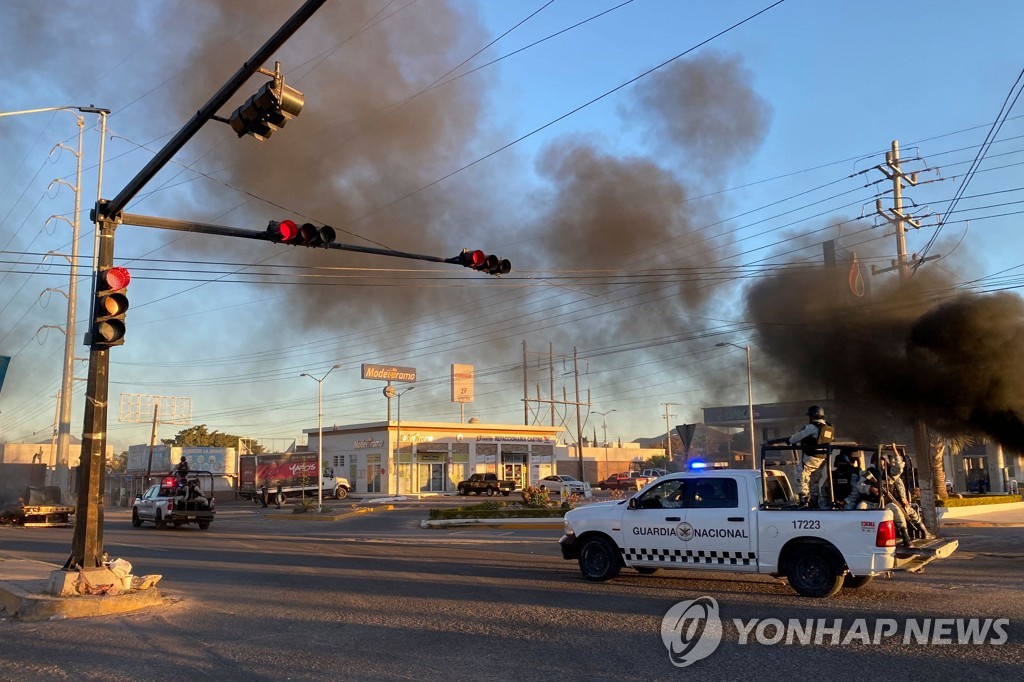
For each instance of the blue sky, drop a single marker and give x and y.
(592, 177)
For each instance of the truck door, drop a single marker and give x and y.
(717, 530)
(649, 525)
(146, 508)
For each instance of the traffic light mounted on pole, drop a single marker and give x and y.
(308, 234)
(477, 260)
(110, 307)
(269, 109)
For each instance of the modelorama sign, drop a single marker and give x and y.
(389, 372)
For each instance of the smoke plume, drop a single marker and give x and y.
(902, 353)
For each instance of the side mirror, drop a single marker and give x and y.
(632, 503)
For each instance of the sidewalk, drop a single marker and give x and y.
(984, 516)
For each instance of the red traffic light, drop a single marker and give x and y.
(478, 260)
(284, 231)
(471, 259)
(109, 310)
(116, 278)
(308, 234)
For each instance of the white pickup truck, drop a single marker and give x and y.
(720, 520)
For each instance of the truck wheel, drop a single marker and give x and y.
(851, 582)
(340, 493)
(203, 525)
(598, 559)
(490, 492)
(159, 520)
(813, 572)
(462, 491)
(136, 521)
(506, 492)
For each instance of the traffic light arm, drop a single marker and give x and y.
(224, 231)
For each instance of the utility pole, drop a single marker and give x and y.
(899, 220)
(579, 420)
(668, 433)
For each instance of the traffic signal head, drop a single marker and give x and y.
(289, 232)
(268, 110)
(110, 307)
(496, 266)
(471, 259)
(477, 260)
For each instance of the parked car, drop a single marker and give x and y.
(654, 473)
(555, 483)
(627, 480)
(486, 484)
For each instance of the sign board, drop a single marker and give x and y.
(138, 408)
(685, 432)
(389, 373)
(462, 383)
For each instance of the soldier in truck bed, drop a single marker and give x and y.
(813, 440)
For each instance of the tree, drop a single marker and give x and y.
(657, 462)
(118, 464)
(939, 445)
(201, 437)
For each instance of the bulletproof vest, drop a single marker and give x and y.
(842, 482)
(814, 446)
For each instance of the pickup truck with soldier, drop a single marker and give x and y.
(745, 521)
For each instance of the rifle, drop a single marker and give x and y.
(885, 496)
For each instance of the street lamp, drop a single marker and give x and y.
(750, 400)
(390, 392)
(604, 427)
(57, 476)
(320, 428)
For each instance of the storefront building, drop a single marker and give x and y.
(385, 458)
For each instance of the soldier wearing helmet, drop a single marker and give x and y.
(844, 475)
(813, 440)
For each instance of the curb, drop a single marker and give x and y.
(978, 524)
(327, 517)
(32, 607)
(516, 524)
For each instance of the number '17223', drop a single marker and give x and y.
(806, 524)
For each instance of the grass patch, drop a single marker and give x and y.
(977, 500)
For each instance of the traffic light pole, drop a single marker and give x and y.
(87, 541)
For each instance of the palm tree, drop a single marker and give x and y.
(955, 444)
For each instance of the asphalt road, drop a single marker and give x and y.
(376, 597)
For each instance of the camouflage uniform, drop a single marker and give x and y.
(897, 500)
(812, 456)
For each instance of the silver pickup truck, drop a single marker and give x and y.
(177, 500)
